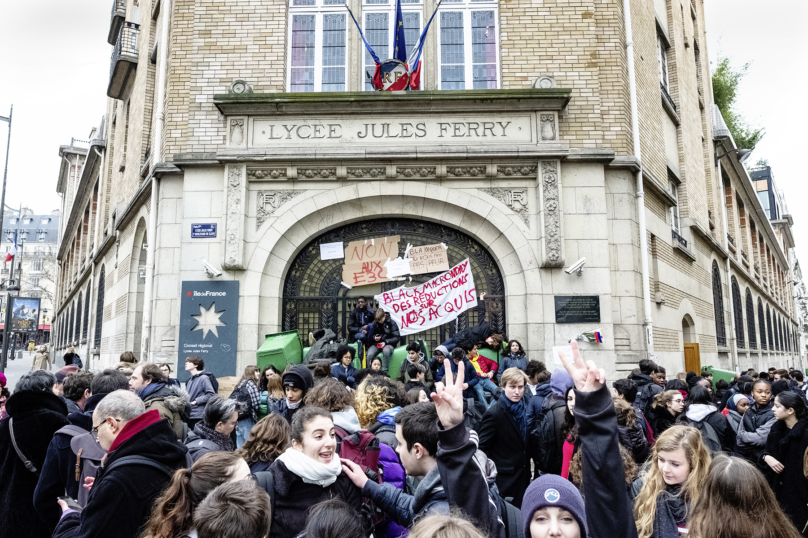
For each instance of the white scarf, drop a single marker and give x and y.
(291, 405)
(311, 470)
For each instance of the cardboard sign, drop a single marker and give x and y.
(433, 303)
(428, 259)
(378, 248)
(362, 274)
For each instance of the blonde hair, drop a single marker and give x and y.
(664, 398)
(443, 526)
(513, 375)
(371, 400)
(275, 387)
(698, 457)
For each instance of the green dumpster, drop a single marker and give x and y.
(726, 375)
(280, 349)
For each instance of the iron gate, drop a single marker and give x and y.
(314, 298)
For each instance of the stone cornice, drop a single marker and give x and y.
(83, 191)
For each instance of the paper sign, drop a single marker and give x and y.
(398, 267)
(331, 251)
(428, 259)
(378, 248)
(362, 274)
(557, 358)
(433, 303)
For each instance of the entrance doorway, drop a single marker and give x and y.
(691, 348)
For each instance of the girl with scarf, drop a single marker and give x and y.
(736, 407)
(667, 406)
(308, 472)
(670, 485)
(503, 436)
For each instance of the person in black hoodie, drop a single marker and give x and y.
(646, 388)
(124, 490)
(699, 408)
(35, 414)
(756, 424)
(296, 383)
(383, 337)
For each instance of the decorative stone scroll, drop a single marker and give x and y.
(519, 170)
(237, 132)
(515, 199)
(377, 172)
(236, 189)
(266, 173)
(465, 171)
(550, 217)
(317, 173)
(415, 172)
(270, 201)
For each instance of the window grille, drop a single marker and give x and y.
(718, 308)
(750, 320)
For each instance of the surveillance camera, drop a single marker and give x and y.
(211, 271)
(577, 267)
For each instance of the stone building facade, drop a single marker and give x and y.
(518, 153)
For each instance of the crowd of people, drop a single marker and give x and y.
(456, 445)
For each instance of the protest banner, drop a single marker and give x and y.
(378, 248)
(432, 303)
(428, 259)
(362, 274)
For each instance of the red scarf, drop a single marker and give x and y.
(134, 426)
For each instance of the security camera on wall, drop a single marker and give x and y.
(577, 267)
(211, 271)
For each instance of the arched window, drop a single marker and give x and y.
(78, 317)
(99, 310)
(769, 328)
(718, 308)
(762, 325)
(70, 327)
(86, 322)
(787, 336)
(780, 328)
(777, 336)
(750, 320)
(738, 314)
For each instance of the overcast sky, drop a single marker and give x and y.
(54, 68)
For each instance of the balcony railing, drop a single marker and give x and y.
(117, 18)
(731, 240)
(682, 241)
(667, 96)
(124, 62)
(745, 257)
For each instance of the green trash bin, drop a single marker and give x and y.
(726, 375)
(279, 350)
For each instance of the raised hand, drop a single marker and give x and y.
(587, 377)
(448, 397)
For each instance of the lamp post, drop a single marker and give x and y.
(5, 172)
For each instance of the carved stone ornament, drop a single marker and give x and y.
(465, 171)
(525, 170)
(236, 132)
(551, 215)
(266, 173)
(409, 172)
(239, 86)
(515, 199)
(548, 128)
(234, 235)
(317, 173)
(544, 82)
(270, 201)
(377, 172)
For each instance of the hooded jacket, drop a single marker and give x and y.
(200, 443)
(36, 416)
(429, 378)
(470, 374)
(200, 390)
(512, 361)
(385, 427)
(357, 319)
(788, 446)
(170, 402)
(534, 408)
(709, 414)
(646, 391)
(121, 499)
(754, 430)
(633, 438)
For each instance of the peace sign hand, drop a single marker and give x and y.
(449, 398)
(587, 377)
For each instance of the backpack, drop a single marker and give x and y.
(543, 437)
(213, 381)
(241, 395)
(77, 361)
(645, 398)
(88, 457)
(362, 448)
(708, 435)
(471, 415)
(510, 515)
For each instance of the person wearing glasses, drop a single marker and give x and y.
(123, 492)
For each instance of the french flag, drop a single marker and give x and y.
(13, 251)
(414, 61)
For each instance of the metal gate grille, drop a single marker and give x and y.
(314, 298)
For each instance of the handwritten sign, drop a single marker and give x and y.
(378, 248)
(331, 251)
(428, 259)
(398, 267)
(433, 303)
(362, 274)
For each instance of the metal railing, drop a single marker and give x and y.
(667, 96)
(731, 240)
(118, 6)
(709, 214)
(125, 45)
(682, 241)
(745, 257)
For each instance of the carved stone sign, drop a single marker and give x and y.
(577, 309)
(443, 129)
(269, 201)
(516, 199)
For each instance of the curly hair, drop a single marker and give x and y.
(625, 412)
(331, 395)
(577, 473)
(269, 438)
(375, 395)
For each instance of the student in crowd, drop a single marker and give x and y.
(722, 392)
(485, 370)
(383, 337)
(268, 439)
(35, 414)
(661, 376)
(414, 357)
(781, 374)
(678, 384)
(173, 512)
(321, 372)
(334, 519)
(268, 373)
(667, 406)
(470, 378)
(148, 382)
(76, 391)
(545, 427)
(569, 433)
(533, 370)
(234, 510)
(417, 395)
(343, 370)
(504, 439)
(626, 389)
(272, 394)
(513, 357)
(167, 371)
(250, 396)
(332, 396)
(671, 484)
(297, 381)
(308, 472)
(358, 324)
(416, 374)
(200, 388)
(375, 364)
(785, 456)
(736, 407)
(799, 381)
(757, 423)
(446, 526)
(630, 431)
(123, 493)
(438, 356)
(699, 410)
(212, 434)
(647, 389)
(378, 400)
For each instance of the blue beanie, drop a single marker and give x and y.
(552, 490)
(560, 382)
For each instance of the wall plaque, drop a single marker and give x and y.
(577, 309)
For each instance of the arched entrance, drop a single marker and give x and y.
(314, 298)
(691, 348)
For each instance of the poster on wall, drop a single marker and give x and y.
(428, 259)
(25, 314)
(209, 326)
(364, 260)
(432, 303)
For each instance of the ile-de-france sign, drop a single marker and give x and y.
(439, 129)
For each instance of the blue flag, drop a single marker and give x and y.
(399, 44)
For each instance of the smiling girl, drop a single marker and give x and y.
(670, 485)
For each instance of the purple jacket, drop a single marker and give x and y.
(393, 474)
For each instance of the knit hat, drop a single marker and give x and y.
(732, 403)
(551, 490)
(3, 380)
(298, 377)
(560, 382)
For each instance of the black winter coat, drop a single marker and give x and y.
(722, 427)
(468, 338)
(37, 415)
(633, 438)
(294, 498)
(661, 419)
(503, 444)
(790, 486)
(357, 319)
(121, 500)
(391, 335)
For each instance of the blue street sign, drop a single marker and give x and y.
(207, 231)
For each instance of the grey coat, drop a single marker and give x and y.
(200, 390)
